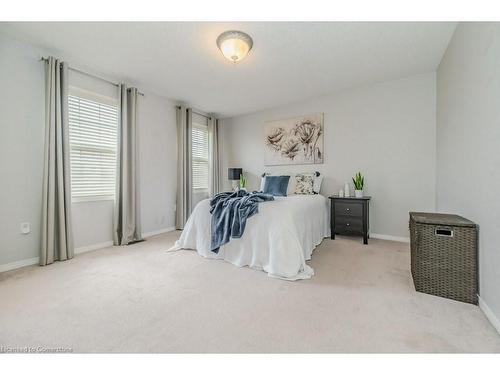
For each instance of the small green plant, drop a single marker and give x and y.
(359, 181)
(243, 182)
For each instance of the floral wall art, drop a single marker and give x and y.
(297, 140)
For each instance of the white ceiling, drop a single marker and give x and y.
(290, 61)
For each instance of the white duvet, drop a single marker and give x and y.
(278, 240)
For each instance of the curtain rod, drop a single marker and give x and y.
(44, 59)
(201, 114)
(197, 113)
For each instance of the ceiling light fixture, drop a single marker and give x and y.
(234, 45)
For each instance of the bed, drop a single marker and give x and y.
(278, 240)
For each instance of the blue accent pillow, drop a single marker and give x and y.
(276, 185)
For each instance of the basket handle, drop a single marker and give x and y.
(443, 232)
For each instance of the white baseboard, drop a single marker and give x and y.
(79, 250)
(390, 238)
(102, 245)
(31, 261)
(19, 264)
(495, 322)
(95, 246)
(157, 232)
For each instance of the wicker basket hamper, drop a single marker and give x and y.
(444, 255)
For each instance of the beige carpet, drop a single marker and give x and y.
(141, 299)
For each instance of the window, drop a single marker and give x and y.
(93, 124)
(199, 138)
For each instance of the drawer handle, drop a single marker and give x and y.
(348, 224)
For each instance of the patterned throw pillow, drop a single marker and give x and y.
(305, 183)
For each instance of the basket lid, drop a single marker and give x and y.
(441, 219)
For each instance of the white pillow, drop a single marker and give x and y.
(262, 182)
(317, 183)
(292, 184)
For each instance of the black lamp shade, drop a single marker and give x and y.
(234, 173)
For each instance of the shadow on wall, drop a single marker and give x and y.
(253, 181)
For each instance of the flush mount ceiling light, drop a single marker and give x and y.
(234, 45)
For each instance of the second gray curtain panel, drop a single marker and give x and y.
(127, 223)
(184, 167)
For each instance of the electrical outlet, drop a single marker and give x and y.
(25, 228)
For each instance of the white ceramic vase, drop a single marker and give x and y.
(358, 193)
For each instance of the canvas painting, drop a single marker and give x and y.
(297, 140)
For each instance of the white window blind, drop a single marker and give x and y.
(200, 156)
(93, 144)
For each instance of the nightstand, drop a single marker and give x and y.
(350, 216)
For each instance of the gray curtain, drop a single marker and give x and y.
(184, 166)
(126, 223)
(214, 170)
(57, 236)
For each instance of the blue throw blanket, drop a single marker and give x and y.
(230, 212)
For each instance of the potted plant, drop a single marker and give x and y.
(243, 182)
(359, 182)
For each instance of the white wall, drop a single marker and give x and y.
(21, 157)
(158, 162)
(21, 149)
(468, 142)
(386, 131)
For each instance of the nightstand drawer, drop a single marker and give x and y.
(348, 209)
(349, 224)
